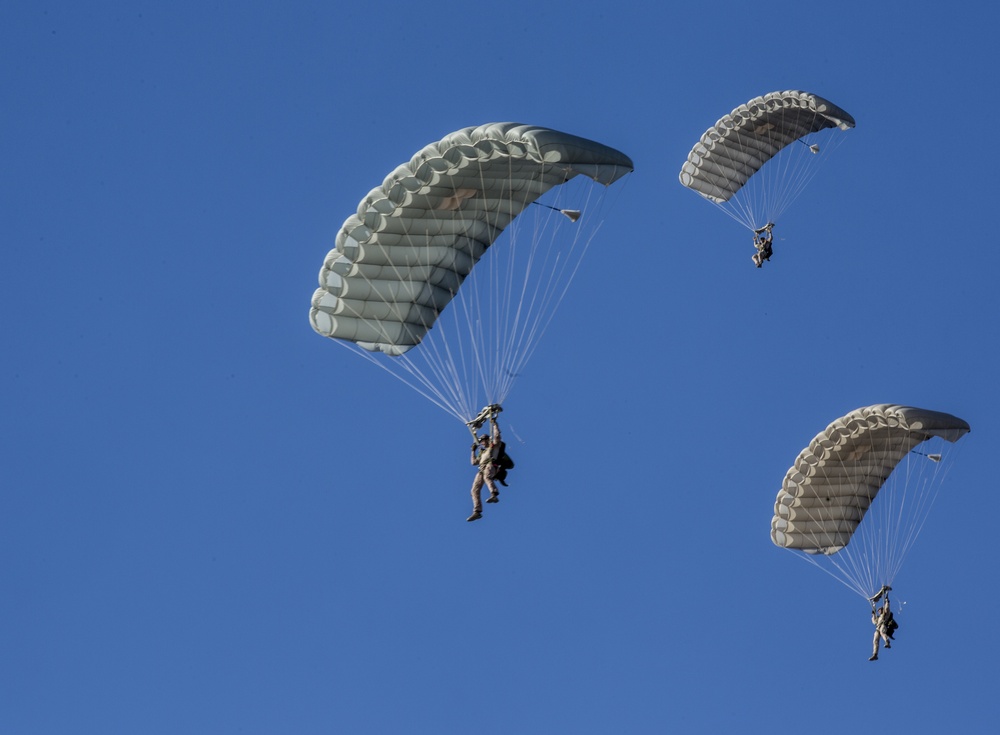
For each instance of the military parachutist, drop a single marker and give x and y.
(884, 622)
(762, 239)
(485, 452)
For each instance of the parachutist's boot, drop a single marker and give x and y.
(493, 498)
(476, 515)
(874, 657)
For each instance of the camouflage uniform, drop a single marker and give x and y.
(884, 627)
(484, 475)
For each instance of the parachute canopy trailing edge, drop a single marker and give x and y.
(400, 260)
(740, 143)
(828, 490)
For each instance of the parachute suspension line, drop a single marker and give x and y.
(421, 384)
(893, 522)
(502, 376)
(550, 262)
(595, 199)
(541, 306)
(925, 477)
(845, 577)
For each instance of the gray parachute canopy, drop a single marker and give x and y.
(735, 148)
(402, 257)
(827, 492)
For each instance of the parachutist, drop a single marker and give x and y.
(762, 239)
(885, 625)
(485, 452)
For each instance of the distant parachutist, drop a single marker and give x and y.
(884, 622)
(762, 238)
(490, 459)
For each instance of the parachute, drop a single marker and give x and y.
(394, 287)
(856, 498)
(727, 166)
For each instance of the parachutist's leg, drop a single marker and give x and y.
(477, 488)
(875, 647)
(488, 479)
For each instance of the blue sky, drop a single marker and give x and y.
(215, 521)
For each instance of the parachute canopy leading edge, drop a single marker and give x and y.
(402, 257)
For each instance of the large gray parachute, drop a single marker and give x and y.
(829, 489)
(400, 260)
(740, 143)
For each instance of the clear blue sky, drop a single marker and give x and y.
(213, 520)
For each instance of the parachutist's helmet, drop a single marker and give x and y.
(484, 438)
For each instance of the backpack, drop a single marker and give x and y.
(501, 464)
